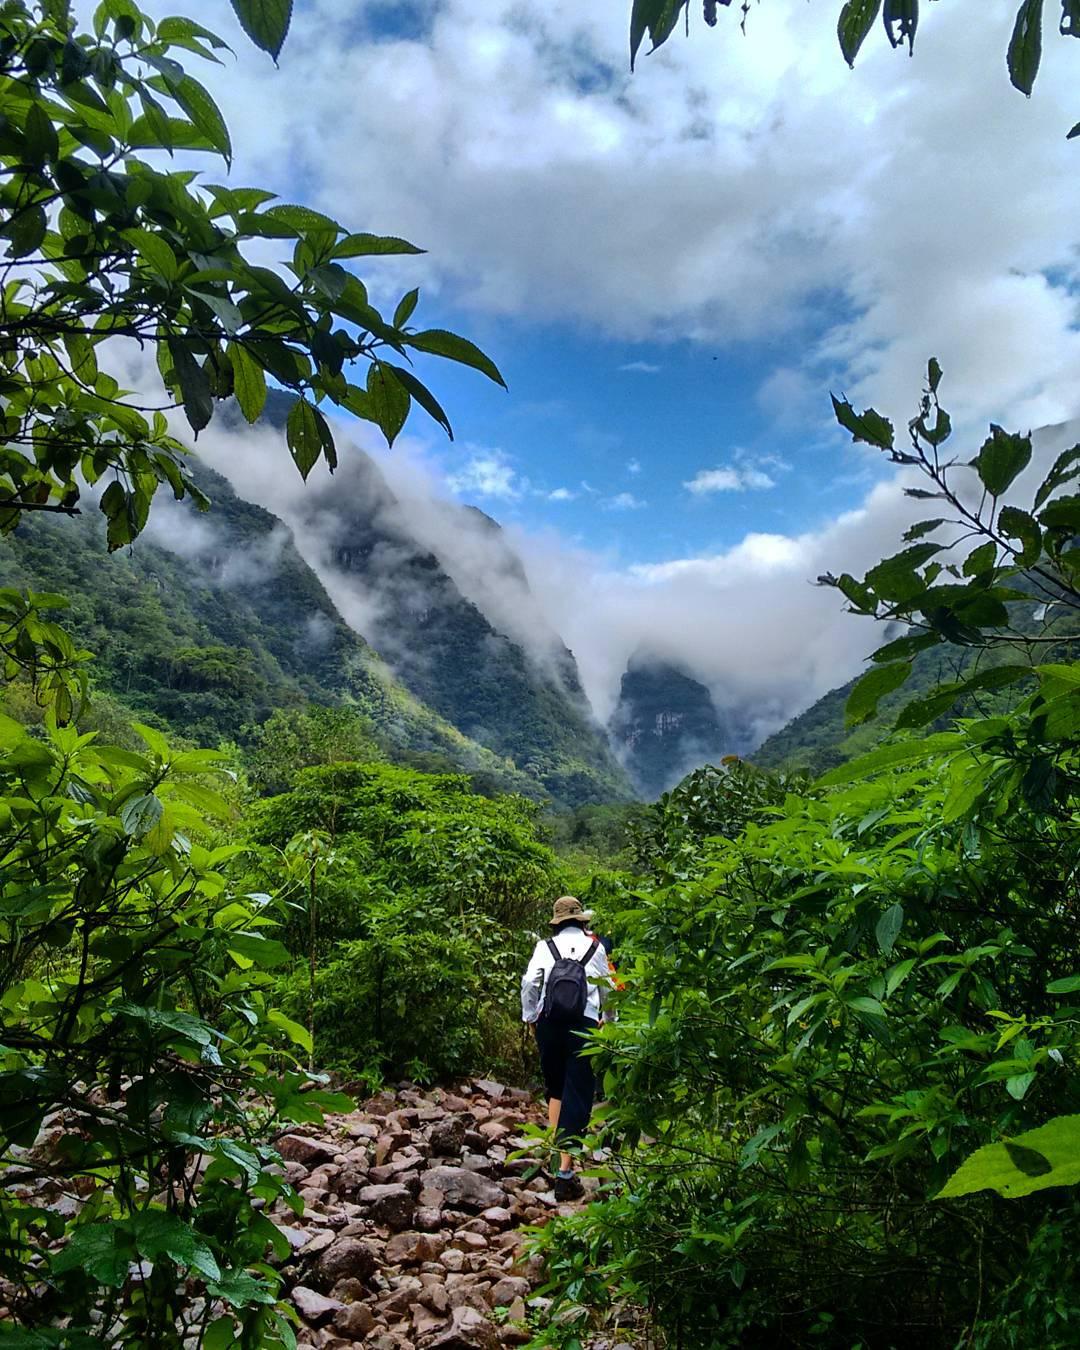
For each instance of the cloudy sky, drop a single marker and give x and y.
(673, 268)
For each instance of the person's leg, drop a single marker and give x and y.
(578, 1092)
(554, 1107)
(554, 1048)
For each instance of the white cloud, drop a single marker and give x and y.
(641, 368)
(633, 466)
(623, 501)
(707, 481)
(487, 473)
(561, 494)
(509, 139)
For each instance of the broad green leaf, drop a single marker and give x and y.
(249, 381)
(1016, 524)
(871, 688)
(296, 1033)
(266, 22)
(1025, 46)
(204, 113)
(441, 343)
(1069, 985)
(388, 401)
(103, 1250)
(141, 814)
(993, 1167)
(157, 1234)
(155, 251)
(194, 386)
(259, 951)
(1002, 458)
(372, 245)
(856, 19)
(888, 928)
(418, 391)
(981, 560)
(891, 756)
(307, 434)
(405, 308)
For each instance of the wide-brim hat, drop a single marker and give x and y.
(568, 907)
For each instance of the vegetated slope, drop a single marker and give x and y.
(210, 623)
(445, 601)
(665, 725)
(819, 739)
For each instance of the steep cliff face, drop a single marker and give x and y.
(664, 725)
(452, 625)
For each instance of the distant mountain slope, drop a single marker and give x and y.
(665, 725)
(818, 739)
(211, 622)
(440, 594)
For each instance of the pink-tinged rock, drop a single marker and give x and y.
(494, 1131)
(453, 1259)
(361, 1129)
(412, 1249)
(427, 1219)
(347, 1259)
(357, 1320)
(436, 1298)
(470, 1242)
(310, 1152)
(313, 1307)
(391, 1205)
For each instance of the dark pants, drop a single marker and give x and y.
(568, 1073)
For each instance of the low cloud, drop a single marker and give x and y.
(487, 473)
(728, 479)
(623, 501)
(640, 368)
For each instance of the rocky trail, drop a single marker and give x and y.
(412, 1233)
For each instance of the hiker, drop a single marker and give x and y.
(562, 994)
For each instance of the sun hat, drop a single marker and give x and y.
(568, 907)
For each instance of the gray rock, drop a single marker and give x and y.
(391, 1205)
(447, 1137)
(463, 1189)
(309, 1152)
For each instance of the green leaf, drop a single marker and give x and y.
(441, 343)
(194, 386)
(1069, 985)
(204, 113)
(257, 951)
(155, 252)
(981, 560)
(140, 815)
(896, 579)
(890, 756)
(1002, 458)
(868, 426)
(1016, 524)
(372, 245)
(405, 308)
(388, 400)
(103, 1250)
(994, 1167)
(1025, 46)
(888, 928)
(158, 1234)
(308, 436)
(1065, 468)
(856, 19)
(1062, 513)
(420, 392)
(249, 381)
(40, 136)
(866, 1005)
(871, 688)
(266, 22)
(296, 1033)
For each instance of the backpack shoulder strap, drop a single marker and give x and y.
(590, 953)
(555, 953)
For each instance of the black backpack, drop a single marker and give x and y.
(567, 991)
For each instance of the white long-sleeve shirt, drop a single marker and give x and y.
(574, 942)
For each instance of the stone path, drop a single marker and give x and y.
(411, 1235)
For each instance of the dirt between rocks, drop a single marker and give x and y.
(411, 1235)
